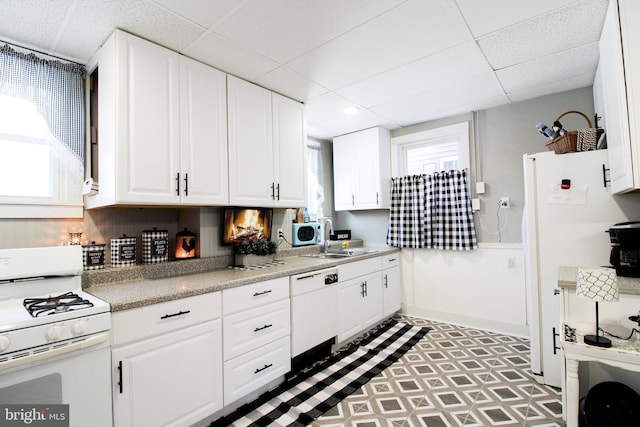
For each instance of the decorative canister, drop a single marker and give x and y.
(186, 244)
(123, 251)
(93, 256)
(155, 246)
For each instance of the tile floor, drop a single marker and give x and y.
(455, 376)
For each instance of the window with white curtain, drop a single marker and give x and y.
(315, 178)
(42, 141)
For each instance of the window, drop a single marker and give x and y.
(315, 178)
(440, 149)
(41, 137)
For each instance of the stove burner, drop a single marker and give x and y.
(57, 304)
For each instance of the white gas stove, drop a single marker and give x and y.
(51, 328)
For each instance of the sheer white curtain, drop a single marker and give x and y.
(315, 178)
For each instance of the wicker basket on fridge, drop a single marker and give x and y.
(575, 140)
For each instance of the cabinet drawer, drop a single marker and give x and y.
(250, 329)
(391, 260)
(144, 322)
(252, 370)
(359, 268)
(254, 295)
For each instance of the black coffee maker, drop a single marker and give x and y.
(625, 248)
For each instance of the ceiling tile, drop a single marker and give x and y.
(229, 57)
(539, 37)
(440, 69)
(556, 86)
(486, 16)
(550, 69)
(284, 29)
(202, 12)
(291, 84)
(463, 96)
(33, 23)
(94, 20)
(413, 30)
(325, 118)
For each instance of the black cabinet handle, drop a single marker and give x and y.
(555, 345)
(278, 192)
(386, 281)
(186, 184)
(273, 191)
(178, 184)
(120, 376)
(604, 175)
(262, 328)
(308, 276)
(262, 369)
(180, 313)
(257, 294)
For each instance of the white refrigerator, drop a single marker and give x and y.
(563, 227)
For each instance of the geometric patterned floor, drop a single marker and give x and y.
(455, 376)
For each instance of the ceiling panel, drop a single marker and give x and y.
(550, 69)
(411, 31)
(440, 69)
(486, 16)
(229, 57)
(34, 23)
(547, 34)
(556, 86)
(92, 21)
(202, 12)
(284, 29)
(289, 83)
(465, 95)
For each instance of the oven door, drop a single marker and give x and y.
(79, 378)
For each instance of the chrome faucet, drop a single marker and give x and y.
(325, 244)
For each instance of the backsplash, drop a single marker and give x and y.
(103, 224)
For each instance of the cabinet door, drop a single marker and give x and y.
(367, 179)
(174, 379)
(203, 128)
(350, 295)
(147, 129)
(612, 71)
(290, 156)
(250, 127)
(391, 290)
(372, 301)
(344, 163)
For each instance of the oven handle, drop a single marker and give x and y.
(85, 343)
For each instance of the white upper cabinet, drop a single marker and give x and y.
(362, 170)
(616, 94)
(267, 158)
(161, 137)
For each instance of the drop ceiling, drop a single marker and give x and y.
(400, 62)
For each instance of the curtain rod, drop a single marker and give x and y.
(42, 53)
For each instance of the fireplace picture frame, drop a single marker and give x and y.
(245, 223)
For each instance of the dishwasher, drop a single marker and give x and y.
(314, 315)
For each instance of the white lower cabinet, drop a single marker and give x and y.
(168, 372)
(391, 299)
(256, 331)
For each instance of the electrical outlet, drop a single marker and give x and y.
(280, 234)
(504, 202)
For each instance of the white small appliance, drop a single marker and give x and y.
(306, 233)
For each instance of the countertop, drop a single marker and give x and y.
(131, 289)
(626, 285)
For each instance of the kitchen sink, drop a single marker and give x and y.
(342, 253)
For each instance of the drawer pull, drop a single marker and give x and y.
(262, 328)
(120, 376)
(392, 259)
(262, 369)
(307, 277)
(180, 313)
(257, 294)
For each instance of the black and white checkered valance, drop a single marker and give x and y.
(56, 90)
(432, 211)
